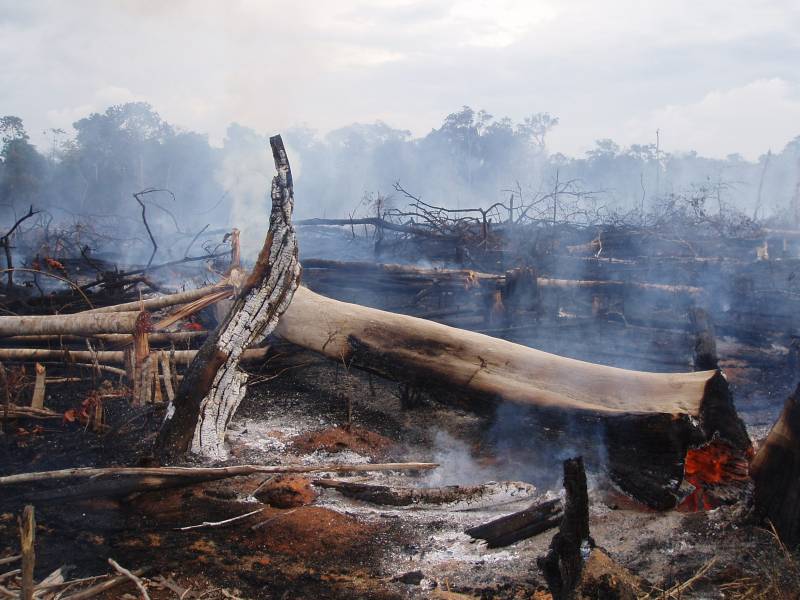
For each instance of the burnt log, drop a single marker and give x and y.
(648, 420)
(78, 324)
(520, 525)
(213, 386)
(408, 496)
(775, 470)
(563, 564)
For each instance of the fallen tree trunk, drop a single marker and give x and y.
(109, 356)
(648, 420)
(213, 386)
(406, 275)
(518, 526)
(113, 338)
(563, 563)
(121, 481)
(407, 496)
(77, 324)
(158, 302)
(775, 469)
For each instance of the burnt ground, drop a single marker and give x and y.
(337, 547)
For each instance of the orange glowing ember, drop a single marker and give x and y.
(714, 464)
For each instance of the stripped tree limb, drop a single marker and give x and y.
(109, 356)
(78, 324)
(213, 385)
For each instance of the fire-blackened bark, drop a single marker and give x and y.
(776, 473)
(563, 563)
(213, 385)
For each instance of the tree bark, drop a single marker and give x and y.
(213, 385)
(647, 420)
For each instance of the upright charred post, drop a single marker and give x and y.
(213, 385)
(775, 469)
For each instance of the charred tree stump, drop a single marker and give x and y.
(563, 563)
(213, 385)
(775, 469)
(705, 345)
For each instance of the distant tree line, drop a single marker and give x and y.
(471, 159)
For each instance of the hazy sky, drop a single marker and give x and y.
(717, 76)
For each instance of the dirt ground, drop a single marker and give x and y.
(308, 542)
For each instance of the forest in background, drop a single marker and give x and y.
(472, 159)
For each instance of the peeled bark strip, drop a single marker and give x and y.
(776, 472)
(79, 324)
(213, 385)
(649, 420)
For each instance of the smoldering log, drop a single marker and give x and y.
(649, 420)
(76, 324)
(775, 469)
(407, 496)
(509, 529)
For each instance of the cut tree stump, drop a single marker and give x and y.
(775, 469)
(213, 385)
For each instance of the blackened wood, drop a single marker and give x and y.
(563, 563)
(775, 469)
(520, 525)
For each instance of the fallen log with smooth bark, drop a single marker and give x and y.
(775, 469)
(648, 420)
(107, 356)
(112, 338)
(84, 324)
(521, 525)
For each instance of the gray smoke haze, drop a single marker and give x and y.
(717, 76)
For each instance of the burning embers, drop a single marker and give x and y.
(718, 474)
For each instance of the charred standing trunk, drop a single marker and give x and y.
(213, 385)
(649, 420)
(776, 472)
(563, 563)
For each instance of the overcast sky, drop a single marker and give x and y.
(717, 76)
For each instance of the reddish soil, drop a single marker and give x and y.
(289, 491)
(311, 533)
(337, 439)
